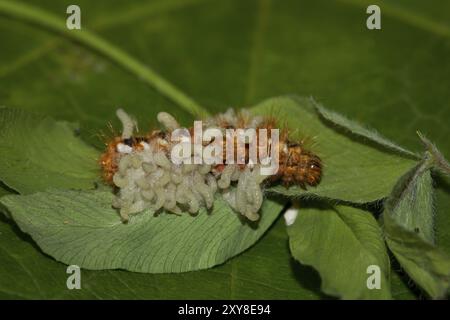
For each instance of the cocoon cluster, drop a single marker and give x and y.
(141, 169)
(146, 178)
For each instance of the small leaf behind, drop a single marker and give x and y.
(357, 129)
(38, 152)
(408, 226)
(341, 243)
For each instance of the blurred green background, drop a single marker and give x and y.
(226, 53)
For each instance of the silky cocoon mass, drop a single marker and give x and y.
(147, 179)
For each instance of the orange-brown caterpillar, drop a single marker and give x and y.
(297, 165)
(139, 166)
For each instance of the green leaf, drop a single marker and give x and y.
(343, 244)
(409, 231)
(38, 153)
(381, 78)
(368, 136)
(26, 273)
(56, 24)
(411, 203)
(80, 227)
(354, 169)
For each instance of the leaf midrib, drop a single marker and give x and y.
(45, 20)
(125, 17)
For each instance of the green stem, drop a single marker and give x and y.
(37, 16)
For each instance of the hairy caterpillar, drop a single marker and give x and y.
(141, 169)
